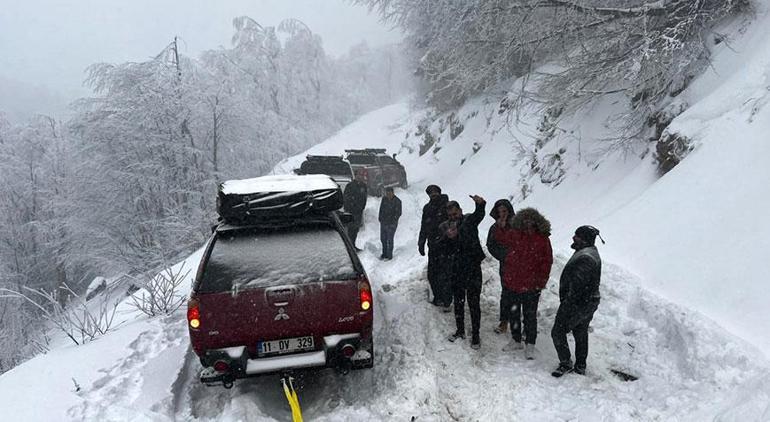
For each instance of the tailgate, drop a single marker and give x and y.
(250, 316)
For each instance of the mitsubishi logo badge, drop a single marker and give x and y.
(281, 315)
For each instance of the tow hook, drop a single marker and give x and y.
(344, 367)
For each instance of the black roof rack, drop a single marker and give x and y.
(323, 157)
(366, 151)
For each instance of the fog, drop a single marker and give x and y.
(45, 45)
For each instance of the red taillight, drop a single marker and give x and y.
(221, 366)
(364, 173)
(365, 294)
(193, 313)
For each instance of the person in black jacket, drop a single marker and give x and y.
(390, 212)
(503, 214)
(460, 238)
(433, 214)
(579, 296)
(354, 199)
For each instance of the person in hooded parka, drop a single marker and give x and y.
(526, 271)
(503, 214)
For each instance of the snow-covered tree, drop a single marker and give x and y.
(647, 50)
(145, 182)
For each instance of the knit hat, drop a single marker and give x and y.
(432, 188)
(588, 234)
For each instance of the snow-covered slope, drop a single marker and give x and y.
(698, 236)
(683, 283)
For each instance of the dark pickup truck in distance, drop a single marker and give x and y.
(379, 170)
(331, 165)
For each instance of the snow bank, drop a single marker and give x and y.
(700, 235)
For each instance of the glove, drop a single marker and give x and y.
(421, 249)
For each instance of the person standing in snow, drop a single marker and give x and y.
(390, 212)
(460, 238)
(503, 214)
(579, 296)
(433, 214)
(526, 271)
(354, 199)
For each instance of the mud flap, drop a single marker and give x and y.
(210, 377)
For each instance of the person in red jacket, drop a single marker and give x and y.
(525, 273)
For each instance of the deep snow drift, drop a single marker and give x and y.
(682, 288)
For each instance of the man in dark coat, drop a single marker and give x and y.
(433, 214)
(354, 203)
(390, 212)
(579, 295)
(460, 238)
(503, 214)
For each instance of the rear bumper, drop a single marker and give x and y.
(241, 365)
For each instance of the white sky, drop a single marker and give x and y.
(49, 43)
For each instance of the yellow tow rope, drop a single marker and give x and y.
(291, 396)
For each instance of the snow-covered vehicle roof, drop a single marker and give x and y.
(280, 183)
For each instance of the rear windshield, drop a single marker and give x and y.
(254, 259)
(331, 168)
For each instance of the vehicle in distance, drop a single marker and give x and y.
(379, 170)
(332, 165)
(279, 291)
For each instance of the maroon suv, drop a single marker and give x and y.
(280, 295)
(379, 170)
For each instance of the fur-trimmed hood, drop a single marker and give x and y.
(542, 225)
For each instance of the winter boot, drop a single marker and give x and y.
(579, 369)
(475, 342)
(458, 335)
(446, 308)
(513, 345)
(503, 327)
(564, 368)
(529, 351)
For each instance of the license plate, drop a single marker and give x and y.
(286, 345)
